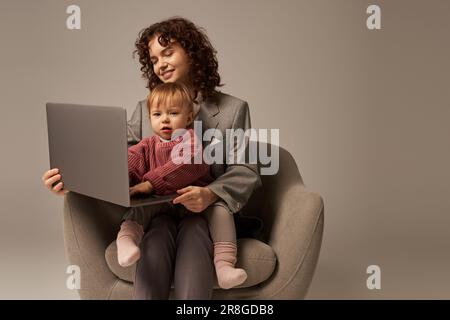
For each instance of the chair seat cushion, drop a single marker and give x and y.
(254, 256)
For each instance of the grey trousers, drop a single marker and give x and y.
(220, 219)
(177, 250)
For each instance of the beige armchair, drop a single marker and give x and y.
(281, 266)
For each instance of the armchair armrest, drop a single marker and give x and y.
(89, 227)
(296, 237)
(295, 234)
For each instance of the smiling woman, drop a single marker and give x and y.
(175, 48)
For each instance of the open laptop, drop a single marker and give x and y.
(89, 145)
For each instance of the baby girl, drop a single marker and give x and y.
(164, 163)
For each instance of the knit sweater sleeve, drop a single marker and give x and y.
(138, 163)
(180, 170)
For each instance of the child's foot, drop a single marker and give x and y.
(229, 277)
(224, 260)
(127, 251)
(128, 241)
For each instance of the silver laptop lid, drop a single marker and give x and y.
(89, 145)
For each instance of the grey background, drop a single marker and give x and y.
(364, 113)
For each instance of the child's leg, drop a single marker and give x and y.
(134, 222)
(223, 234)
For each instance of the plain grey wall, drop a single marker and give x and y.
(364, 113)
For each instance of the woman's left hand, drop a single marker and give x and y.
(195, 199)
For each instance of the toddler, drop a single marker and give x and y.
(160, 165)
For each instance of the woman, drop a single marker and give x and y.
(181, 251)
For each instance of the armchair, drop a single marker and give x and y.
(280, 265)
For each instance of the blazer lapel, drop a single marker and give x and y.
(208, 115)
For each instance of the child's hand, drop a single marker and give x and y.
(143, 187)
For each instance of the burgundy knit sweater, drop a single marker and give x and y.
(151, 160)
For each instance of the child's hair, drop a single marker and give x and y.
(174, 93)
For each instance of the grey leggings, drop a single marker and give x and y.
(220, 219)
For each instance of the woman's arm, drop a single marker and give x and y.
(234, 186)
(239, 181)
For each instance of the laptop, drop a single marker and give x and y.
(89, 145)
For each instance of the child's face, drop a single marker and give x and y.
(165, 119)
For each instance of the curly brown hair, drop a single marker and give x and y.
(204, 68)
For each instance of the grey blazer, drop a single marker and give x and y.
(233, 183)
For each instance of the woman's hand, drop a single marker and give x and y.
(143, 187)
(52, 176)
(195, 199)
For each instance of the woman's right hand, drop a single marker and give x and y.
(52, 176)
